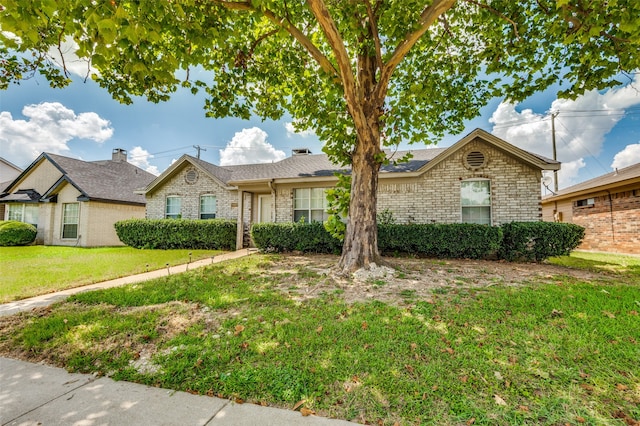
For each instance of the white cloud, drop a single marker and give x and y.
(580, 126)
(291, 131)
(249, 146)
(628, 156)
(140, 157)
(48, 128)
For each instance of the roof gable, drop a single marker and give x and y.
(531, 159)
(109, 181)
(218, 174)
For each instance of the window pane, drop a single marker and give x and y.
(317, 198)
(15, 212)
(480, 215)
(301, 198)
(173, 207)
(31, 214)
(318, 215)
(70, 219)
(299, 214)
(475, 193)
(207, 207)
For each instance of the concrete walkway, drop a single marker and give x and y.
(48, 299)
(35, 394)
(39, 395)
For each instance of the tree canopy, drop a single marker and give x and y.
(363, 74)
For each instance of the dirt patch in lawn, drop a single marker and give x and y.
(305, 277)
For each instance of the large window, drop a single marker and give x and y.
(27, 213)
(174, 207)
(70, 220)
(208, 207)
(310, 204)
(476, 201)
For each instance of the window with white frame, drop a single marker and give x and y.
(208, 206)
(70, 220)
(310, 205)
(22, 212)
(174, 207)
(475, 196)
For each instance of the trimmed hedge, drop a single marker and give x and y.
(304, 237)
(536, 241)
(177, 233)
(528, 241)
(14, 233)
(456, 240)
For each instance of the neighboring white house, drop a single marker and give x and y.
(75, 202)
(480, 179)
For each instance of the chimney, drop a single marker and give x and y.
(300, 151)
(119, 155)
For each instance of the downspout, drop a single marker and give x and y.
(272, 187)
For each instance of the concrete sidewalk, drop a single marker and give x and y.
(48, 299)
(35, 394)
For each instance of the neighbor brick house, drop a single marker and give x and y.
(608, 207)
(480, 179)
(74, 202)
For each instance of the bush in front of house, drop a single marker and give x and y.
(304, 237)
(177, 233)
(454, 240)
(433, 240)
(536, 241)
(14, 233)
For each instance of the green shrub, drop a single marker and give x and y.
(455, 240)
(536, 241)
(13, 233)
(178, 233)
(304, 237)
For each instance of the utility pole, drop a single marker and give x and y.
(199, 148)
(553, 141)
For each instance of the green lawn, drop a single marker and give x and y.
(34, 270)
(554, 352)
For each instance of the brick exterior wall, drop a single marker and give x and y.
(612, 223)
(226, 201)
(435, 196)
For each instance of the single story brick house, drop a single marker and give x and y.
(480, 179)
(608, 207)
(76, 203)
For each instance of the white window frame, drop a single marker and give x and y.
(310, 204)
(69, 220)
(209, 214)
(484, 206)
(172, 214)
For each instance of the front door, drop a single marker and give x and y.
(265, 213)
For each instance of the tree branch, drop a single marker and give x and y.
(373, 24)
(495, 12)
(285, 24)
(427, 18)
(319, 10)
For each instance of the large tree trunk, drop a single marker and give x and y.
(360, 247)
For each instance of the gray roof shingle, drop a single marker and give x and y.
(103, 180)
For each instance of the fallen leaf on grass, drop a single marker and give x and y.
(298, 404)
(523, 408)
(306, 412)
(608, 314)
(498, 399)
(319, 329)
(471, 421)
(239, 329)
(580, 419)
(621, 387)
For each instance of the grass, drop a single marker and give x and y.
(34, 270)
(533, 354)
(601, 262)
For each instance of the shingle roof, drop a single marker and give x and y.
(103, 180)
(618, 176)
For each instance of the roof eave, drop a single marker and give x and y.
(591, 190)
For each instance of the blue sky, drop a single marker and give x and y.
(594, 133)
